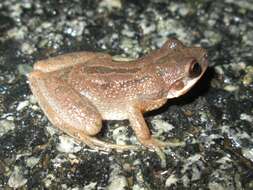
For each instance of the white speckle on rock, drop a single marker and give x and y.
(67, 145)
(35, 107)
(189, 161)
(48, 180)
(120, 183)
(27, 4)
(247, 38)
(27, 48)
(44, 26)
(90, 186)
(242, 4)
(10, 118)
(5, 126)
(215, 186)
(127, 31)
(120, 135)
(75, 27)
(17, 179)
(117, 181)
(18, 33)
(213, 37)
(224, 160)
(225, 163)
(248, 153)
(209, 140)
(225, 129)
(110, 4)
(22, 105)
(64, 186)
(236, 136)
(138, 187)
(166, 27)
(161, 126)
(59, 160)
(246, 117)
(51, 40)
(196, 173)
(238, 66)
(248, 77)
(24, 69)
(181, 8)
(219, 70)
(147, 27)
(171, 180)
(51, 130)
(130, 47)
(32, 99)
(231, 88)
(141, 183)
(185, 179)
(32, 161)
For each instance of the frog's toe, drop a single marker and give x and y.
(157, 146)
(153, 143)
(97, 144)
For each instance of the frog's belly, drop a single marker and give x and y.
(113, 113)
(109, 110)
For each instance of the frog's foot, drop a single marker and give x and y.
(97, 144)
(141, 130)
(153, 143)
(157, 146)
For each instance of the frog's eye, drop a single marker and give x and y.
(194, 69)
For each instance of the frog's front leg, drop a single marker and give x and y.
(141, 130)
(67, 60)
(69, 111)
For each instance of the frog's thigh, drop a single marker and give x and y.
(67, 60)
(61, 103)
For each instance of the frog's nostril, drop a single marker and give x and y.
(194, 69)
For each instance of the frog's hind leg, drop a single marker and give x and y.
(70, 112)
(67, 60)
(95, 143)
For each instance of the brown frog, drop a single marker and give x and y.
(79, 90)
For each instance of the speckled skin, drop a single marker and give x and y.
(79, 90)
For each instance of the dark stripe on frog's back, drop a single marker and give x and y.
(62, 74)
(132, 81)
(109, 70)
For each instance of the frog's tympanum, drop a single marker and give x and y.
(79, 90)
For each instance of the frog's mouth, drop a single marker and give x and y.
(180, 87)
(194, 72)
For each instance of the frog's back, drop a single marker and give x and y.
(113, 81)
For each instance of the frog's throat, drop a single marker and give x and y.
(173, 93)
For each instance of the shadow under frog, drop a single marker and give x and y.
(78, 90)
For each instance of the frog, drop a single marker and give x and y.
(78, 91)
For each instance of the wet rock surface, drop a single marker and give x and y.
(211, 125)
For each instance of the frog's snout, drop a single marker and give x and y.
(204, 60)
